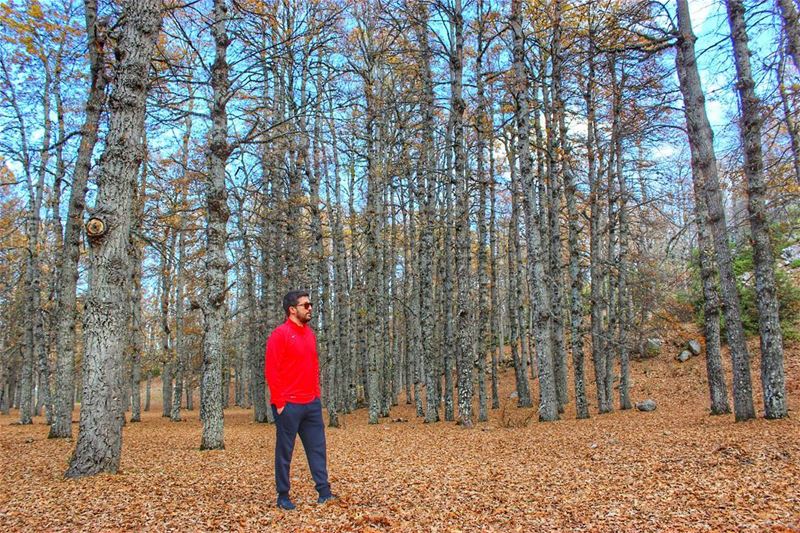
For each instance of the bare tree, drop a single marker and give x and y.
(99, 443)
(773, 379)
(704, 170)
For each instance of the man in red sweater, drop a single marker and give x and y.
(292, 372)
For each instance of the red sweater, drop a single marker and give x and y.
(292, 366)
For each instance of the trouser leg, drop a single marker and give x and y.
(286, 425)
(312, 434)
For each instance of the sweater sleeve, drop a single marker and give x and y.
(273, 356)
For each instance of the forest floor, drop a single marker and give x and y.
(676, 468)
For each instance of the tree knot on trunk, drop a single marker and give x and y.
(96, 228)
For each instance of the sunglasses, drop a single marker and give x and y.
(304, 305)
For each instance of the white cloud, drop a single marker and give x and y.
(664, 151)
(716, 113)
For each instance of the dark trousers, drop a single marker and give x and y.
(304, 419)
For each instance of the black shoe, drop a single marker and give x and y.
(285, 503)
(325, 499)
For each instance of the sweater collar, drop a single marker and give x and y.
(295, 327)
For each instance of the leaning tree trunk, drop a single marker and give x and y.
(99, 443)
(216, 239)
(704, 170)
(773, 378)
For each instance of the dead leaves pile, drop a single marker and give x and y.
(673, 469)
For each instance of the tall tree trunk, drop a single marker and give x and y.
(426, 180)
(717, 388)
(148, 386)
(773, 379)
(514, 296)
(56, 228)
(99, 443)
(180, 348)
(37, 322)
(371, 255)
(556, 187)
(136, 343)
(612, 254)
(342, 353)
(790, 118)
(484, 344)
(254, 352)
(595, 268)
(623, 298)
(791, 27)
(548, 403)
(25, 387)
(575, 277)
(34, 351)
(216, 239)
(704, 170)
(463, 314)
(497, 342)
(447, 274)
(167, 352)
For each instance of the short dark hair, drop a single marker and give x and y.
(291, 298)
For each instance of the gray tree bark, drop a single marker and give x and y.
(212, 399)
(555, 190)
(426, 180)
(180, 348)
(704, 170)
(167, 352)
(575, 277)
(773, 378)
(482, 124)
(548, 403)
(791, 27)
(136, 343)
(463, 313)
(342, 312)
(595, 267)
(790, 117)
(66, 308)
(497, 340)
(514, 296)
(99, 443)
(717, 388)
(372, 243)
